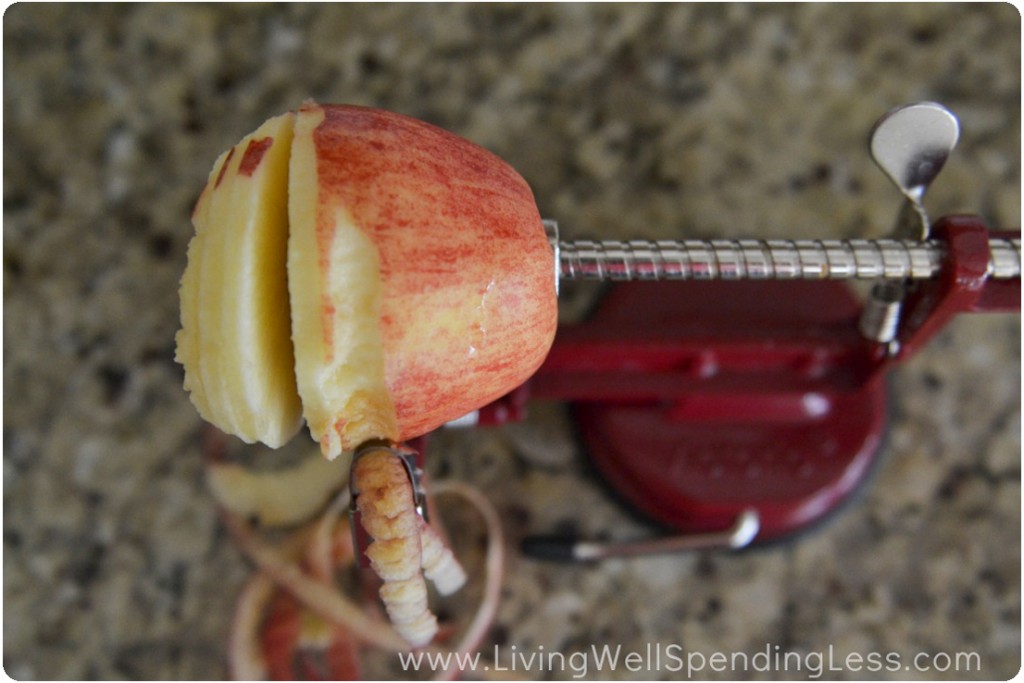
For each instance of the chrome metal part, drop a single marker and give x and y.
(768, 260)
(881, 316)
(911, 144)
(551, 228)
(470, 419)
(1005, 261)
(739, 535)
(408, 459)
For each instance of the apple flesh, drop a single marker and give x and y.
(235, 340)
(420, 282)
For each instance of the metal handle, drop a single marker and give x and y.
(739, 535)
(769, 259)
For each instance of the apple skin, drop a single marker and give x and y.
(468, 308)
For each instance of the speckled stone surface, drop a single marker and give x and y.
(628, 121)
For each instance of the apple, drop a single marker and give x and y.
(419, 279)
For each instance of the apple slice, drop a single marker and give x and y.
(421, 278)
(235, 340)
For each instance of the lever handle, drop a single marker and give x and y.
(739, 535)
(911, 144)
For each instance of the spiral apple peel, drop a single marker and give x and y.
(376, 277)
(404, 546)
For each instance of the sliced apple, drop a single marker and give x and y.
(419, 278)
(235, 340)
(335, 286)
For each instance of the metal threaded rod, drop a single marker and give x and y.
(769, 259)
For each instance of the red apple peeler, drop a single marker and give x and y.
(735, 390)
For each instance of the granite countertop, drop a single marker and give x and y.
(635, 121)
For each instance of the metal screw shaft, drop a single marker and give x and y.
(768, 259)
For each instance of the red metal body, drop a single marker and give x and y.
(697, 400)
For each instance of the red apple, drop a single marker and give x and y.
(420, 282)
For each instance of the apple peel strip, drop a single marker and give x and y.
(326, 545)
(404, 547)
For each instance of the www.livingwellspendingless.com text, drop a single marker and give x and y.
(673, 659)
